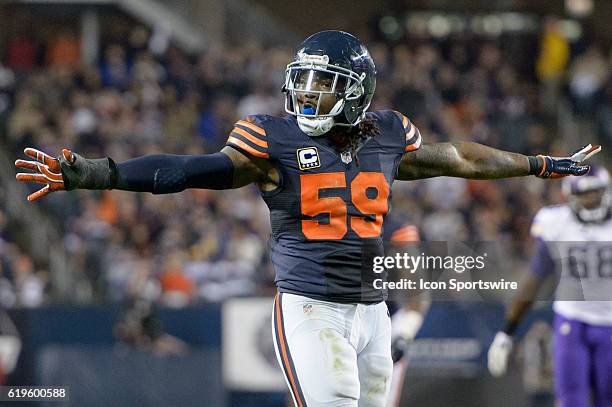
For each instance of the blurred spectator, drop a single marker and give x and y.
(21, 52)
(114, 69)
(551, 63)
(65, 49)
(29, 284)
(588, 76)
(177, 288)
(10, 346)
(444, 225)
(603, 114)
(261, 100)
(141, 330)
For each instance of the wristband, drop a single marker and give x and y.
(536, 163)
(85, 173)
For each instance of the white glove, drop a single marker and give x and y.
(10, 347)
(405, 324)
(499, 352)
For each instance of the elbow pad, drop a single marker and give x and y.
(169, 180)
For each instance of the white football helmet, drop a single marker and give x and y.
(597, 179)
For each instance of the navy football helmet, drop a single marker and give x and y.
(596, 182)
(329, 64)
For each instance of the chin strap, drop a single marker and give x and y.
(315, 127)
(598, 214)
(318, 126)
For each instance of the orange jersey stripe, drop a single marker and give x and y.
(251, 126)
(403, 118)
(415, 145)
(414, 138)
(246, 147)
(405, 236)
(282, 346)
(543, 166)
(251, 137)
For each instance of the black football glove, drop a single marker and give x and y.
(399, 346)
(545, 166)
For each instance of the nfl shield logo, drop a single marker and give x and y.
(346, 157)
(307, 308)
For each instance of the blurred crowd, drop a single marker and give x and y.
(21, 282)
(206, 245)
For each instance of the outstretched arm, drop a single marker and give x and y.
(165, 173)
(520, 306)
(542, 269)
(501, 347)
(477, 161)
(162, 173)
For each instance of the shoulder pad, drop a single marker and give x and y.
(546, 222)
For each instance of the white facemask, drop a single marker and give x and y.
(596, 214)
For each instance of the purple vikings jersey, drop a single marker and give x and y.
(328, 212)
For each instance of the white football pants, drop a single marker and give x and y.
(333, 354)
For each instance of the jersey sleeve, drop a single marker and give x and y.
(249, 136)
(542, 263)
(412, 135)
(542, 230)
(543, 224)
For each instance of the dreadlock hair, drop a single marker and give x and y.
(357, 135)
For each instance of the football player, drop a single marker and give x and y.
(407, 308)
(405, 324)
(573, 244)
(325, 171)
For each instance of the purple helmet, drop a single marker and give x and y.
(597, 178)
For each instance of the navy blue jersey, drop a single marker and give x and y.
(328, 212)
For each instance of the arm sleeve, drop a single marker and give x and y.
(411, 133)
(165, 173)
(249, 136)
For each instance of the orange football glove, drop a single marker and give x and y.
(46, 169)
